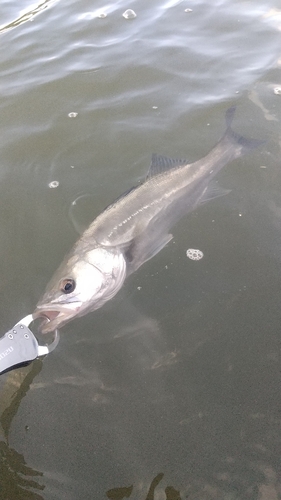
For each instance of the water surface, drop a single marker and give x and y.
(171, 390)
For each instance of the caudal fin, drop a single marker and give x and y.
(246, 145)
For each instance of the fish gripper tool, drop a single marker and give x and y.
(19, 346)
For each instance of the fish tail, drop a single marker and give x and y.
(244, 144)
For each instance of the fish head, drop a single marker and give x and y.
(81, 284)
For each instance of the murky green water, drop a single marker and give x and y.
(171, 390)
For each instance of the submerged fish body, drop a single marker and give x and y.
(133, 229)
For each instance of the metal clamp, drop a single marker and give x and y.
(19, 346)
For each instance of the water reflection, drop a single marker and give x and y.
(121, 493)
(17, 478)
(27, 16)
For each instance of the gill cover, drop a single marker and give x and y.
(80, 285)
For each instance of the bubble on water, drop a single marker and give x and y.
(53, 184)
(277, 90)
(187, 10)
(194, 254)
(72, 114)
(129, 14)
(102, 15)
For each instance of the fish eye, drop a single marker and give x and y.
(67, 285)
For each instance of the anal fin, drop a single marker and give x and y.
(213, 191)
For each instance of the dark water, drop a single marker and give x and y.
(171, 390)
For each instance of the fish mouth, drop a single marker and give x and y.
(52, 318)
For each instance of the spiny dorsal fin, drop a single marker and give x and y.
(161, 164)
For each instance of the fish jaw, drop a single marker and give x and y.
(56, 316)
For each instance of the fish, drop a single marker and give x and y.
(133, 229)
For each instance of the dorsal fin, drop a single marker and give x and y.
(160, 164)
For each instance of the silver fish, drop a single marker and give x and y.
(133, 229)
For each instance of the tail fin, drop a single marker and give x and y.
(246, 144)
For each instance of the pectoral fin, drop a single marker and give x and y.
(142, 250)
